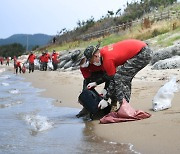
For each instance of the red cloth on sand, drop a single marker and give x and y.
(125, 113)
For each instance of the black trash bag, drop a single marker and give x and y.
(90, 99)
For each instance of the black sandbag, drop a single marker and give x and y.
(90, 100)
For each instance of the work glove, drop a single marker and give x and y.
(102, 104)
(91, 85)
(103, 93)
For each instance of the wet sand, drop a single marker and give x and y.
(158, 134)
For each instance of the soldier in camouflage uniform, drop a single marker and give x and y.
(121, 61)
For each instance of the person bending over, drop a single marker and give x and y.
(121, 61)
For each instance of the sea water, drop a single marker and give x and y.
(30, 124)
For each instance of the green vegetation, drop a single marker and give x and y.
(167, 39)
(161, 30)
(12, 50)
(144, 30)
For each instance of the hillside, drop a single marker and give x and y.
(27, 39)
(163, 25)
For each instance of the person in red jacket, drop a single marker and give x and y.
(54, 58)
(92, 74)
(7, 61)
(31, 59)
(121, 61)
(41, 61)
(46, 58)
(17, 65)
(1, 60)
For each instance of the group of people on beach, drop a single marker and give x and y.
(2, 59)
(43, 60)
(115, 65)
(45, 57)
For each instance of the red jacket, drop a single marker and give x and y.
(1, 59)
(31, 58)
(86, 71)
(54, 57)
(41, 58)
(117, 54)
(7, 59)
(18, 63)
(46, 57)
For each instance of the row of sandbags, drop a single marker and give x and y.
(70, 60)
(166, 58)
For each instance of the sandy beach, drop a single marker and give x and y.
(157, 134)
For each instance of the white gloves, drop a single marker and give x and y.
(102, 104)
(103, 93)
(91, 85)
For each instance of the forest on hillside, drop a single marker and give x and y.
(11, 50)
(132, 11)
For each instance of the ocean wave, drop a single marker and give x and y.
(5, 84)
(2, 70)
(14, 91)
(5, 76)
(37, 122)
(10, 104)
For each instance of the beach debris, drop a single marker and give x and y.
(163, 78)
(50, 65)
(162, 99)
(124, 114)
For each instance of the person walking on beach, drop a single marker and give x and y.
(1, 60)
(17, 65)
(7, 61)
(46, 58)
(54, 58)
(31, 59)
(41, 61)
(121, 61)
(14, 59)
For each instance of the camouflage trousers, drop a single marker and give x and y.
(120, 85)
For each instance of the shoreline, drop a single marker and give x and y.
(157, 134)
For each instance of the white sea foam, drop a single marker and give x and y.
(5, 84)
(2, 70)
(5, 76)
(14, 91)
(10, 104)
(131, 148)
(38, 123)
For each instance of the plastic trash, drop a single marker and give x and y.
(50, 65)
(124, 114)
(162, 99)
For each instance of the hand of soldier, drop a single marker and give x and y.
(103, 93)
(91, 85)
(102, 104)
